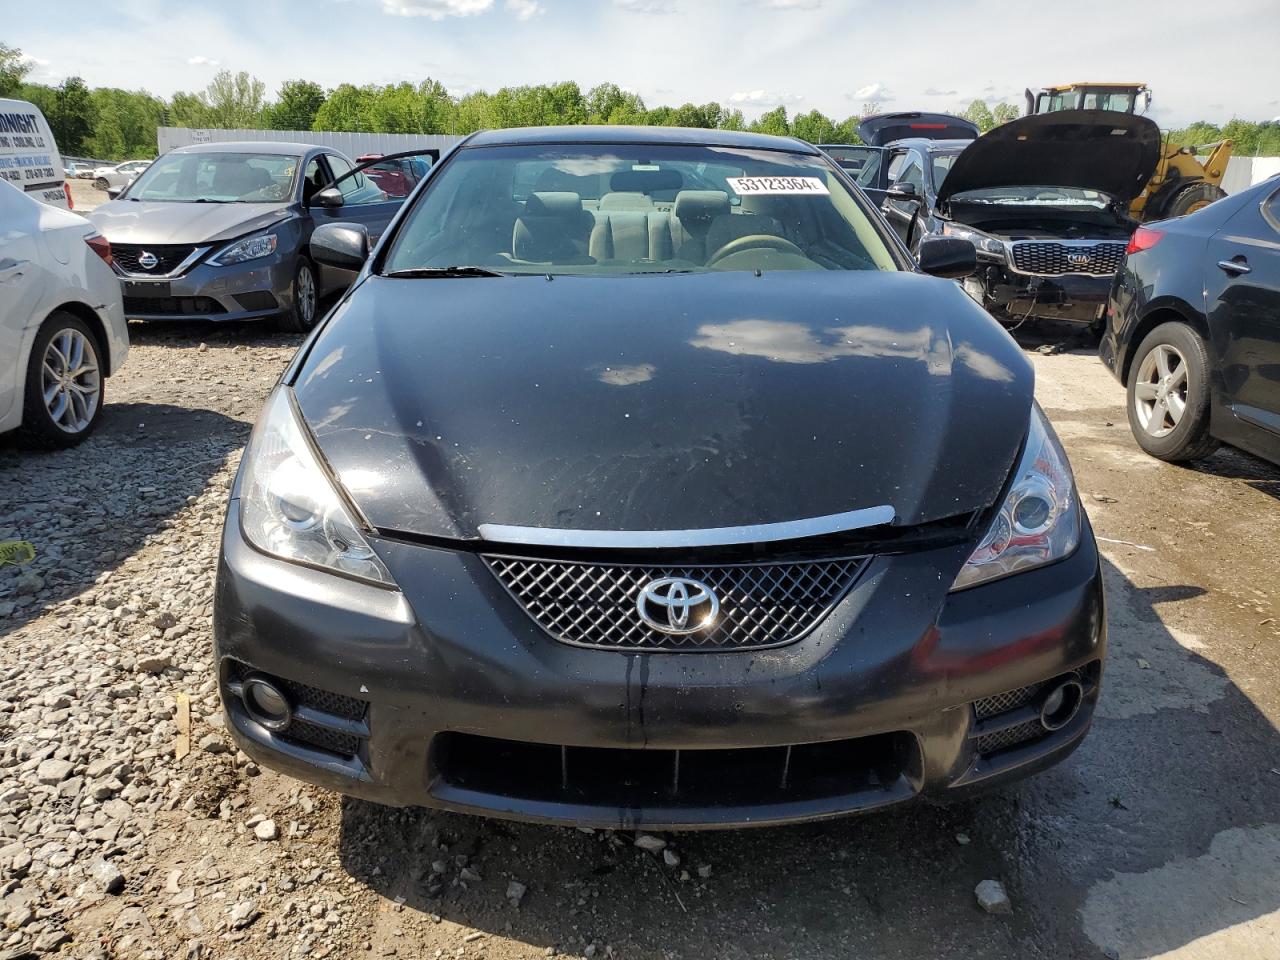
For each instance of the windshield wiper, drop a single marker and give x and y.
(415, 273)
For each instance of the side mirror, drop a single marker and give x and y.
(114, 192)
(903, 191)
(341, 245)
(330, 197)
(948, 257)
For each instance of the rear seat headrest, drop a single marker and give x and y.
(700, 204)
(553, 204)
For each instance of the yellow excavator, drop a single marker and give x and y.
(1182, 183)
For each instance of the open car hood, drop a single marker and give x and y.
(663, 403)
(882, 128)
(1113, 153)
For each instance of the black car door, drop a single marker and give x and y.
(1242, 293)
(905, 167)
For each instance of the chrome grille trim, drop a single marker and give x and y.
(1048, 258)
(174, 259)
(762, 605)
(708, 537)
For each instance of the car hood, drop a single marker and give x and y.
(663, 402)
(160, 222)
(1114, 153)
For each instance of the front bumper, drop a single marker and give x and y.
(245, 291)
(1077, 298)
(449, 695)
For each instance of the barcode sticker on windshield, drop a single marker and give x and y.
(756, 186)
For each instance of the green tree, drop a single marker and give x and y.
(773, 122)
(13, 70)
(189, 110)
(815, 127)
(347, 107)
(609, 103)
(235, 100)
(732, 120)
(980, 114)
(125, 123)
(296, 106)
(1003, 113)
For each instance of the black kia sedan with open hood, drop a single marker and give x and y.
(643, 478)
(1045, 199)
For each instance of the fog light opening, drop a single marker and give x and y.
(1061, 705)
(267, 704)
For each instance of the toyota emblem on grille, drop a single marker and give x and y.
(1079, 259)
(147, 260)
(677, 605)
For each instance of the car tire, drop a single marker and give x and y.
(1192, 197)
(65, 384)
(1167, 396)
(305, 296)
(101, 183)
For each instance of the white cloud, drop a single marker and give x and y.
(646, 6)
(33, 61)
(789, 4)
(763, 98)
(935, 92)
(435, 9)
(202, 62)
(525, 9)
(871, 93)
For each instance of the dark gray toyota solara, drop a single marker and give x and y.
(642, 478)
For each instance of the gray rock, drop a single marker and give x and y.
(992, 897)
(266, 830)
(213, 743)
(516, 891)
(243, 914)
(704, 871)
(670, 858)
(154, 662)
(106, 875)
(54, 771)
(649, 843)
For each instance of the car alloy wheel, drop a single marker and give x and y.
(71, 382)
(1160, 393)
(305, 293)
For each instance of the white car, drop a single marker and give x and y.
(62, 325)
(120, 175)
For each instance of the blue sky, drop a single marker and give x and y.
(755, 54)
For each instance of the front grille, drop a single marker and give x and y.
(1055, 258)
(344, 744)
(1001, 702)
(172, 307)
(1001, 739)
(594, 605)
(630, 778)
(126, 255)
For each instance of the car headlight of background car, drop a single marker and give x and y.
(1039, 520)
(289, 507)
(250, 248)
(986, 245)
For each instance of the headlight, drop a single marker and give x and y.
(250, 248)
(984, 242)
(288, 506)
(1039, 521)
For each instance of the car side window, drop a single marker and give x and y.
(357, 188)
(913, 175)
(895, 166)
(1271, 211)
(313, 178)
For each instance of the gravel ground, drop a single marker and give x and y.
(128, 828)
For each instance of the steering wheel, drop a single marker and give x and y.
(754, 241)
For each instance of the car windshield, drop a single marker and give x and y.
(861, 163)
(636, 208)
(217, 177)
(1036, 195)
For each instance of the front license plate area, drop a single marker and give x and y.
(148, 289)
